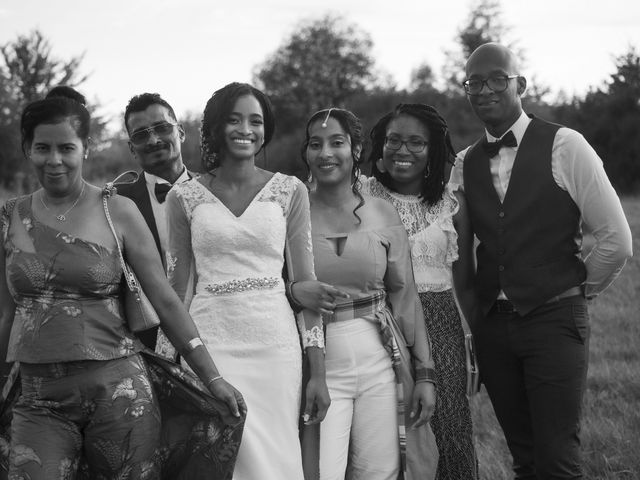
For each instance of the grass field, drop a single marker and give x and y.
(611, 422)
(611, 425)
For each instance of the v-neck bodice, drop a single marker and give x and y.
(247, 207)
(228, 271)
(229, 248)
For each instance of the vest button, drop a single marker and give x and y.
(501, 268)
(500, 231)
(501, 214)
(501, 251)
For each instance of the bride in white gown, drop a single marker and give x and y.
(230, 231)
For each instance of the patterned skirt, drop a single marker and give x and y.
(451, 422)
(198, 438)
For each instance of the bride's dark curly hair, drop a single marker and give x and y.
(216, 114)
(352, 126)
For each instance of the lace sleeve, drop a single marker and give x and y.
(180, 260)
(365, 184)
(299, 250)
(450, 207)
(456, 178)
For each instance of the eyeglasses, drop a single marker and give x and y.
(414, 145)
(497, 84)
(161, 130)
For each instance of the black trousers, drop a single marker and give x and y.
(534, 368)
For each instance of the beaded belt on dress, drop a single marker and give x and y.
(235, 286)
(359, 308)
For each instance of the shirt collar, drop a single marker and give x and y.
(518, 129)
(152, 179)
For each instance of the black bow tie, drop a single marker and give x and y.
(161, 190)
(492, 148)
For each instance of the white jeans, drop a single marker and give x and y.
(361, 426)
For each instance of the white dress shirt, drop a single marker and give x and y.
(578, 170)
(159, 208)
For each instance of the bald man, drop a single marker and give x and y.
(529, 184)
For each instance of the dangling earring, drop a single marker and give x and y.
(427, 171)
(310, 175)
(380, 165)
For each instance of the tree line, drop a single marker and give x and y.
(329, 62)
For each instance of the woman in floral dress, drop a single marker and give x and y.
(87, 400)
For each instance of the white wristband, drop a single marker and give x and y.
(193, 344)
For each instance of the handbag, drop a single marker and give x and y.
(138, 311)
(473, 372)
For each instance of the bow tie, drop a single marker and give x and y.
(492, 148)
(161, 190)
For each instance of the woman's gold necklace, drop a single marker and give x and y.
(62, 217)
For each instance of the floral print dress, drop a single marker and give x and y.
(88, 402)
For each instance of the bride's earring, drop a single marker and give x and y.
(380, 165)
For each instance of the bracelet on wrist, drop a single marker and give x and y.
(191, 345)
(295, 305)
(212, 380)
(425, 374)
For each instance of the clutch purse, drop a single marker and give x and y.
(473, 373)
(138, 311)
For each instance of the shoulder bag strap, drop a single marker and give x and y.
(128, 274)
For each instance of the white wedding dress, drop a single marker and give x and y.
(228, 270)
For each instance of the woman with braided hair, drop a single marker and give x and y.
(410, 150)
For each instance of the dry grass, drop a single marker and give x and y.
(611, 421)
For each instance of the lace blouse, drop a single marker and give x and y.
(432, 236)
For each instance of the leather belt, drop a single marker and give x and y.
(505, 306)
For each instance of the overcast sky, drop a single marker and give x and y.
(187, 49)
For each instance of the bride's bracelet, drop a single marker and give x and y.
(313, 337)
(295, 305)
(191, 345)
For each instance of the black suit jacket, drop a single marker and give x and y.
(137, 191)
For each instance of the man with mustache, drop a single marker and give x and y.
(155, 140)
(530, 186)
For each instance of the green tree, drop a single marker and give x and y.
(422, 79)
(484, 24)
(322, 64)
(609, 118)
(28, 69)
